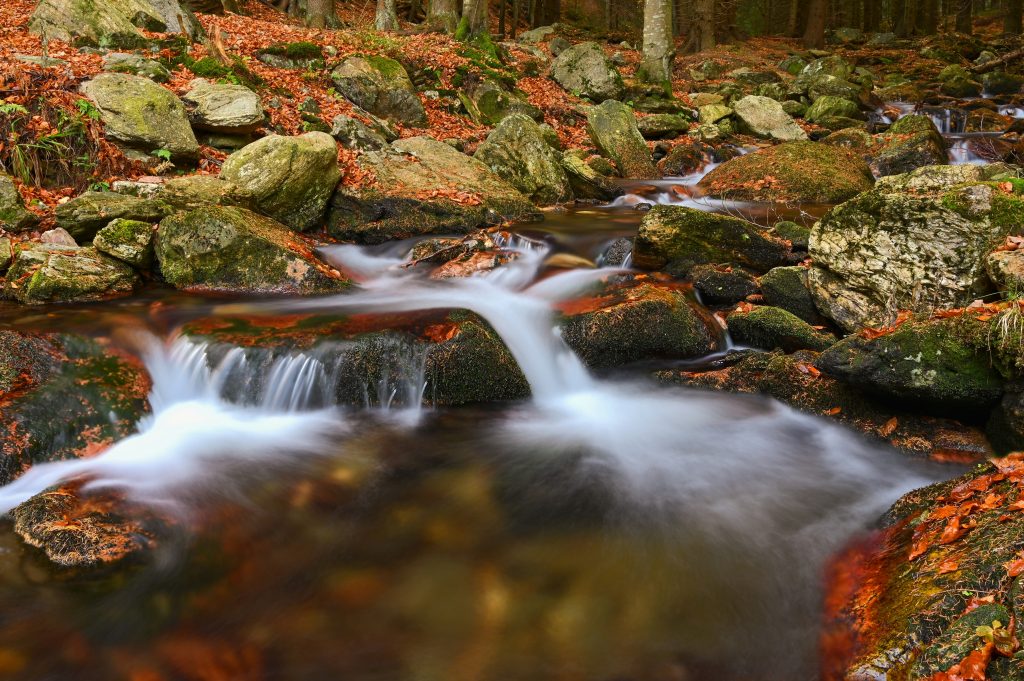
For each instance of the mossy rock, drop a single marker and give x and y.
(584, 69)
(137, 65)
(796, 234)
(612, 128)
(42, 273)
(14, 217)
(722, 285)
(830, 107)
(382, 86)
(587, 183)
(88, 213)
(130, 241)
(772, 327)
(518, 153)
(111, 23)
(787, 288)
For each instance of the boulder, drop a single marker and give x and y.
(911, 142)
(355, 135)
(797, 235)
(719, 285)
(6, 254)
(87, 213)
(772, 327)
(915, 242)
(103, 23)
(1006, 270)
(712, 113)
(786, 288)
(796, 172)
(14, 217)
(137, 65)
(764, 117)
(584, 70)
(830, 107)
(535, 36)
(612, 128)
(192, 191)
(290, 179)
(587, 183)
(217, 107)
(58, 236)
(1001, 83)
(301, 54)
(683, 159)
(825, 85)
(381, 86)
(487, 102)
(221, 248)
(130, 241)
(44, 273)
(679, 237)
(663, 126)
(142, 115)
(516, 151)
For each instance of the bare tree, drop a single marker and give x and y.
(320, 14)
(386, 18)
(814, 35)
(443, 15)
(1012, 19)
(702, 26)
(659, 47)
(474, 19)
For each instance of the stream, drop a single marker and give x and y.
(606, 529)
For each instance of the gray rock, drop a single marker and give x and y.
(587, 183)
(612, 127)
(129, 241)
(583, 69)
(14, 217)
(216, 107)
(766, 118)
(662, 126)
(87, 213)
(381, 86)
(122, 62)
(536, 36)
(353, 134)
(111, 22)
(58, 236)
(487, 102)
(44, 273)
(517, 152)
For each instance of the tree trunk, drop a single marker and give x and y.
(702, 26)
(872, 16)
(659, 48)
(548, 12)
(387, 16)
(1012, 19)
(793, 24)
(474, 19)
(320, 14)
(443, 15)
(964, 10)
(814, 35)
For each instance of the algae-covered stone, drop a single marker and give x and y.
(660, 126)
(14, 217)
(722, 285)
(122, 62)
(111, 22)
(613, 130)
(87, 213)
(517, 152)
(630, 323)
(787, 288)
(42, 273)
(800, 172)
(683, 159)
(587, 183)
(1001, 83)
(142, 115)
(911, 142)
(290, 179)
(798, 235)
(773, 327)
(828, 107)
(712, 113)
(381, 86)
(222, 107)
(681, 237)
(221, 248)
(487, 102)
(128, 240)
(766, 118)
(584, 69)
(926, 361)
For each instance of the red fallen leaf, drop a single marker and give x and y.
(952, 531)
(439, 333)
(808, 369)
(1006, 187)
(978, 601)
(991, 501)
(1015, 567)
(948, 565)
(921, 546)
(833, 411)
(889, 427)
(943, 512)
(971, 668)
(1017, 505)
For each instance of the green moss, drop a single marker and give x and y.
(298, 50)
(772, 327)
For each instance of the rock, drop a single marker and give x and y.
(712, 113)
(87, 213)
(662, 126)
(915, 242)
(786, 288)
(793, 64)
(722, 285)
(381, 86)
(751, 78)
(800, 172)
(38, 371)
(613, 130)
(14, 217)
(961, 87)
(355, 135)
(825, 85)
(765, 117)
(680, 237)
(536, 36)
(828, 106)
(290, 179)
(58, 236)
(584, 70)
(1005, 427)
(121, 62)
(42, 273)
(216, 107)
(40, 60)
(629, 322)
(487, 102)
(852, 139)
(220, 248)
(112, 23)
(302, 54)
(847, 35)
(586, 183)
(142, 115)
(130, 241)
(1001, 83)
(707, 70)
(798, 235)
(6, 254)
(558, 45)
(912, 142)
(773, 327)
(193, 191)
(1006, 270)
(881, 39)
(903, 92)
(516, 151)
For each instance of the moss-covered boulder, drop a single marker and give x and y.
(796, 234)
(223, 107)
(517, 152)
(584, 70)
(45, 273)
(612, 128)
(722, 285)
(381, 86)
(193, 191)
(111, 22)
(142, 115)
(911, 142)
(626, 322)
(136, 65)
(587, 183)
(487, 102)
(662, 126)
(765, 117)
(797, 172)
(1001, 83)
(98, 393)
(130, 241)
(914, 242)
(772, 327)
(220, 248)
(928, 362)
(290, 179)
(14, 217)
(787, 288)
(355, 135)
(678, 238)
(1006, 270)
(86, 214)
(830, 107)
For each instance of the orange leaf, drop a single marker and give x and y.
(948, 565)
(889, 427)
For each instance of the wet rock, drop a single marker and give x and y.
(43, 273)
(682, 159)
(355, 135)
(662, 126)
(516, 151)
(14, 217)
(772, 327)
(137, 65)
(381, 86)
(130, 241)
(142, 115)
(799, 172)
(586, 183)
(797, 235)
(764, 117)
(111, 22)
(613, 130)
(1001, 83)
(961, 87)
(584, 70)
(57, 236)
(720, 285)
(787, 288)
(219, 248)
(831, 107)
(627, 323)
(928, 362)
(217, 107)
(87, 213)
(488, 103)
(912, 142)
(290, 179)
(680, 238)
(914, 242)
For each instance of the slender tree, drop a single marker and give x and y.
(702, 26)
(474, 19)
(659, 47)
(387, 16)
(320, 14)
(443, 15)
(814, 34)
(548, 12)
(1012, 19)
(964, 10)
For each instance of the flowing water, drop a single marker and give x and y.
(604, 529)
